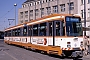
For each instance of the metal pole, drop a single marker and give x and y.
(15, 15)
(29, 11)
(15, 12)
(69, 7)
(85, 17)
(53, 32)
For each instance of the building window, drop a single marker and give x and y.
(52, 0)
(82, 13)
(42, 1)
(24, 6)
(30, 19)
(38, 2)
(36, 12)
(30, 4)
(31, 12)
(26, 14)
(42, 11)
(46, 0)
(88, 1)
(34, 3)
(71, 6)
(62, 7)
(89, 12)
(21, 14)
(26, 20)
(48, 10)
(55, 9)
(82, 2)
(21, 21)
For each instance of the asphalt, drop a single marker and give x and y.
(9, 52)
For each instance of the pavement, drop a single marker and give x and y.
(86, 57)
(1, 39)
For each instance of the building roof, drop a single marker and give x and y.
(30, 1)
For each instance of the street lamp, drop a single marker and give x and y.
(85, 17)
(15, 12)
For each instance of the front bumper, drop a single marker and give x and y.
(77, 54)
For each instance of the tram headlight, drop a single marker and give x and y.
(81, 45)
(68, 44)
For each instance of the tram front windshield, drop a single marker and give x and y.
(73, 26)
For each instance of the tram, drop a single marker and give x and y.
(59, 34)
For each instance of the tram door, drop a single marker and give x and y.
(55, 29)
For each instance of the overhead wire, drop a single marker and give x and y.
(8, 12)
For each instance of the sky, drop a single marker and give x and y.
(7, 11)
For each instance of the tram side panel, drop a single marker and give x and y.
(45, 44)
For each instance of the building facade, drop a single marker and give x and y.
(82, 14)
(33, 9)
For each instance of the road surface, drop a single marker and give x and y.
(10, 52)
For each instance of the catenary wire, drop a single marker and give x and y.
(8, 12)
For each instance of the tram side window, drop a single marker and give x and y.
(18, 31)
(29, 30)
(62, 28)
(58, 28)
(9, 33)
(42, 31)
(35, 30)
(25, 31)
(50, 28)
(6, 33)
(13, 32)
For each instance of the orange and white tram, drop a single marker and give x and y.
(59, 34)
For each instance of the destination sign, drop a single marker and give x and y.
(72, 19)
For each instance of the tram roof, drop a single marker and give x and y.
(44, 17)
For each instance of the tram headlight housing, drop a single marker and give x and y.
(68, 44)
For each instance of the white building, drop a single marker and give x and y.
(32, 9)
